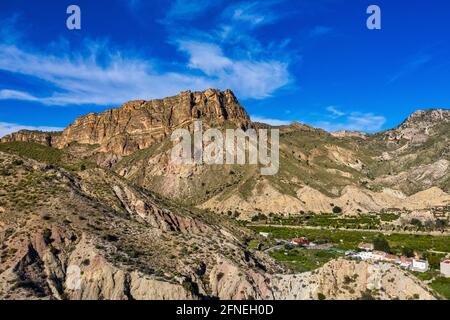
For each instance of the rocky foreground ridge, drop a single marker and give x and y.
(90, 235)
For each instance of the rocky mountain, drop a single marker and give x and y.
(89, 234)
(419, 126)
(405, 168)
(140, 124)
(101, 203)
(127, 243)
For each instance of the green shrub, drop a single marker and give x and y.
(337, 210)
(381, 244)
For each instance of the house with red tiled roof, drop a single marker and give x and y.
(391, 258)
(299, 241)
(405, 262)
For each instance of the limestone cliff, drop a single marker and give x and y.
(139, 124)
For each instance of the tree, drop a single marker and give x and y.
(416, 222)
(406, 251)
(367, 295)
(433, 260)
(381, 244)
(440, 223)
(337, 210)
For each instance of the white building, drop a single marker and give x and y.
(378, 255)
(445, 268)
(419, 265)
(364, 255)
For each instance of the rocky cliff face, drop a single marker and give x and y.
(46, 138)
(139, 124)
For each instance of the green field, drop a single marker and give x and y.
(362, 221)
(442, 286)
(351, 239)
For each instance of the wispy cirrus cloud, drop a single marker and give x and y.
(81, 78)
(101, 76)
(335, 112)
(7, 128)
(353, 121)
(336, 120)
(252, 78)
(413, 64)
(253, 13)
(6, 94)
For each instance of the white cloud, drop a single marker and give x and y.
(7, 128)
(249, 78)
(80, 78)
(273, 122)
(335, 113)
(355, 121)
(16, 95)
(253, 13)
(207, 57)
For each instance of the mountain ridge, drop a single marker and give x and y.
(133, 141)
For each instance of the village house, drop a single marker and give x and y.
(391, 258)
(405, 262)
(445, 268)
(364, 255)
(378, 255)
(419, 265)
(299, 241)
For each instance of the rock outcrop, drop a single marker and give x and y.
(46, 138)
(139, 124)
(419, 125)
(347, 280)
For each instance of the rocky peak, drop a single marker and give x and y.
(432, 115)
(139, 124)
(349, 133)
(419, 125)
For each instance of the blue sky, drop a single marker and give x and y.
(308, 61)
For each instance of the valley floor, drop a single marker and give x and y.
(333, 243)
(385, 232)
